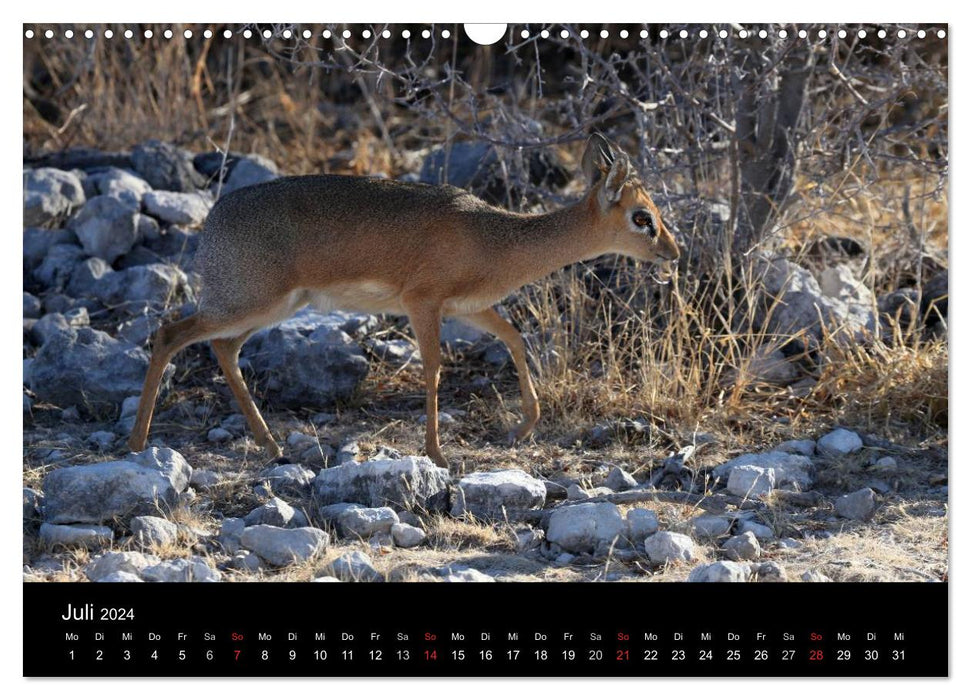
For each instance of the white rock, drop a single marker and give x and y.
(76, 535)
(575, 492)
(107, 227)
(96, 493)
(798, 447)
(121, 577)
(456, 332)
(799, 304)
(230, 532)
(840, 282)
(720, 572)
(839, 442)
(792, 478)
(182, 208)
(879, 486)
(288, 477)
(50, 194)
(300, 370)
(408, 483)
(276, 512)
(181, 570)
(667, 546)
(151, 530)
(742, 547)
(121, 184)
(355, 566)
(498, 494)
(398, 353)
(620, 480)
(709, 526)
(790, 471)
(444, 418)
(109, 563)
(235, 423)
(203, 478)
(814, 576)
(751, 482)
(641, 524)
(409, 518)
(859, 505)
(219, 435)
(165, 166)
(280, 546)
(771, 571)
(102, 440)
(585, 527)
(300, 441)
(129, 407)
(353, 520)
(459, 573)
(761, 532)
(253, 169)
(407, 536)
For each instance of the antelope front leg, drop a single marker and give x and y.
(168, 340)
(227, 353)
(490, 321)
(426, 322)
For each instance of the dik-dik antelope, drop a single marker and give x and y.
(381, 246)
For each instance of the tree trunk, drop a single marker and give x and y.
(769, 105)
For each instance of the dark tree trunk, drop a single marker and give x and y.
(772, 92)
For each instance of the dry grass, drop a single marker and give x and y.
(887, 387)
(911, 549)
(450, 534)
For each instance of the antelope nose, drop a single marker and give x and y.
(675, 242)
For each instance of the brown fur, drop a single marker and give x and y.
(390, 247)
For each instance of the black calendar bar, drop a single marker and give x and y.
(504, 629)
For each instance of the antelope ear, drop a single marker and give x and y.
(597, 158)
(620, 172)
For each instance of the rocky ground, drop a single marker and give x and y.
(108, 246)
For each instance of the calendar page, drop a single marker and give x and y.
(551, 349)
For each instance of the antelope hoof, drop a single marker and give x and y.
(520, 432)
(273, 450)
(438, 458)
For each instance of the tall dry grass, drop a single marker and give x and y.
(680, 364)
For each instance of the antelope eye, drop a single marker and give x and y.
(643, 219)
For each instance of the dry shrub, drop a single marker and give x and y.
(885, 387)
(449, 533)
